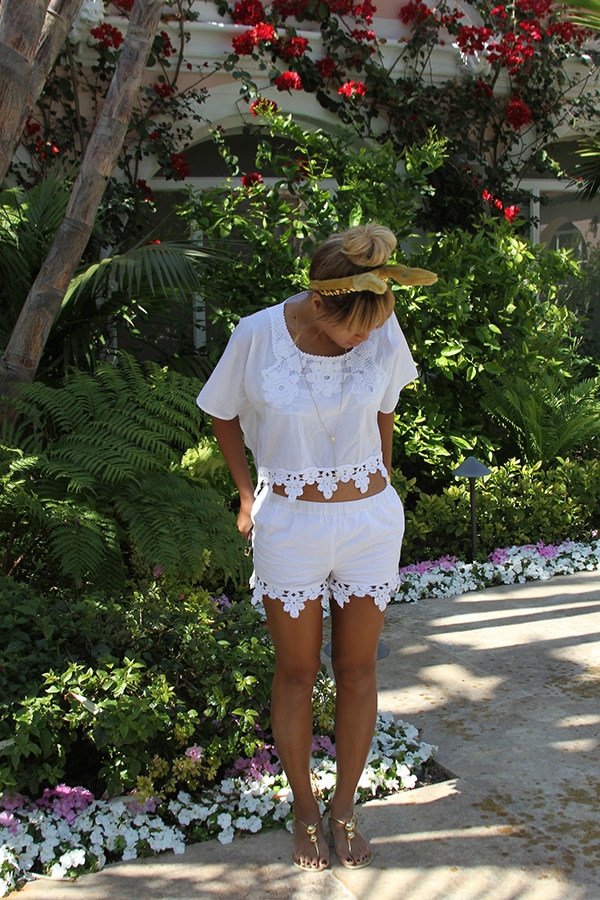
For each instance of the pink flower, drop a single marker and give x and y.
(194, 753)
(288, 81)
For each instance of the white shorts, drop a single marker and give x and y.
(305, 550)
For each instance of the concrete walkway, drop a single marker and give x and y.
(506, 682)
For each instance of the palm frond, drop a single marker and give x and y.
(99, 481)
(148, 269)
(548, 419)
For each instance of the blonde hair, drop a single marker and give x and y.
(359, 249)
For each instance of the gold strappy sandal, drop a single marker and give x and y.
(311, 831)
(350, 830)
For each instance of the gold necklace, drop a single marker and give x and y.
(330, 435)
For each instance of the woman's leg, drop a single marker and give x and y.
(356, 628)
(297, 645)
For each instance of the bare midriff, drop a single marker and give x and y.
(346, 490)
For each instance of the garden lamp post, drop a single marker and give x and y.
(471, 468)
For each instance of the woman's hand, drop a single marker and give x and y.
(244, 522)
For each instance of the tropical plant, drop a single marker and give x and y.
(550, 419)
(93, 488)
(117, 294)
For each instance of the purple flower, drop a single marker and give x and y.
(7, 820)
(324, 743)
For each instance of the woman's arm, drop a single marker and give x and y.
(385, 422)
(231, 441)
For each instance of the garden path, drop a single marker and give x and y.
(506, 682)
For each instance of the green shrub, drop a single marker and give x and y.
(515, 505)
(93, 689)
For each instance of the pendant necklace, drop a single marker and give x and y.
(331, 435)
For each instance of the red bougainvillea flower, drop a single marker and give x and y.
(263, 32)
(293, 48)
(414, 11)
(517, 113)
(262, 105)
(252, 178)
(179, 165)
(142, 186)
(511, 212)
(32, 127)
(362, 36)
(487, 196)
(482, 88)
(365, 11)
(326, 67)
(126, 5)
(352, 89)
(166, 47)
(248, 12)
(472, 39)
(107, 36)
(163, 89)
(288, 81)
(243, 44)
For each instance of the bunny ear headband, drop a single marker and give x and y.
(375, 280)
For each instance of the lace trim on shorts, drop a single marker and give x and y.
(381, 593)
(325, 479)
(293, 601)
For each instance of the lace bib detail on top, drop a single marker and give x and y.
(324, 373)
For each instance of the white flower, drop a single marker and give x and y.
(226, 836)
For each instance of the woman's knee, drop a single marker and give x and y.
(354, 675)
(297, 676)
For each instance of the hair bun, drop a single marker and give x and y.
(368, 246)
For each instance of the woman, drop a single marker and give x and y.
(310, 386)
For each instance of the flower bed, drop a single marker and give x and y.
(67, 832)
(449, 576)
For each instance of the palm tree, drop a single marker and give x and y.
(118, 291)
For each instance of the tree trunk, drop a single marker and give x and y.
(23, 72)
(21, 24)
(26, 345)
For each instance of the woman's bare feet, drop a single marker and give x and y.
(351, 847)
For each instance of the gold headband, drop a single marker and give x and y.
(375, 280)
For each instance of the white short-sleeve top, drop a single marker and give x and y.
(290, 404)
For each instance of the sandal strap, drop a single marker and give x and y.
(311, 831)
(349, 828)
